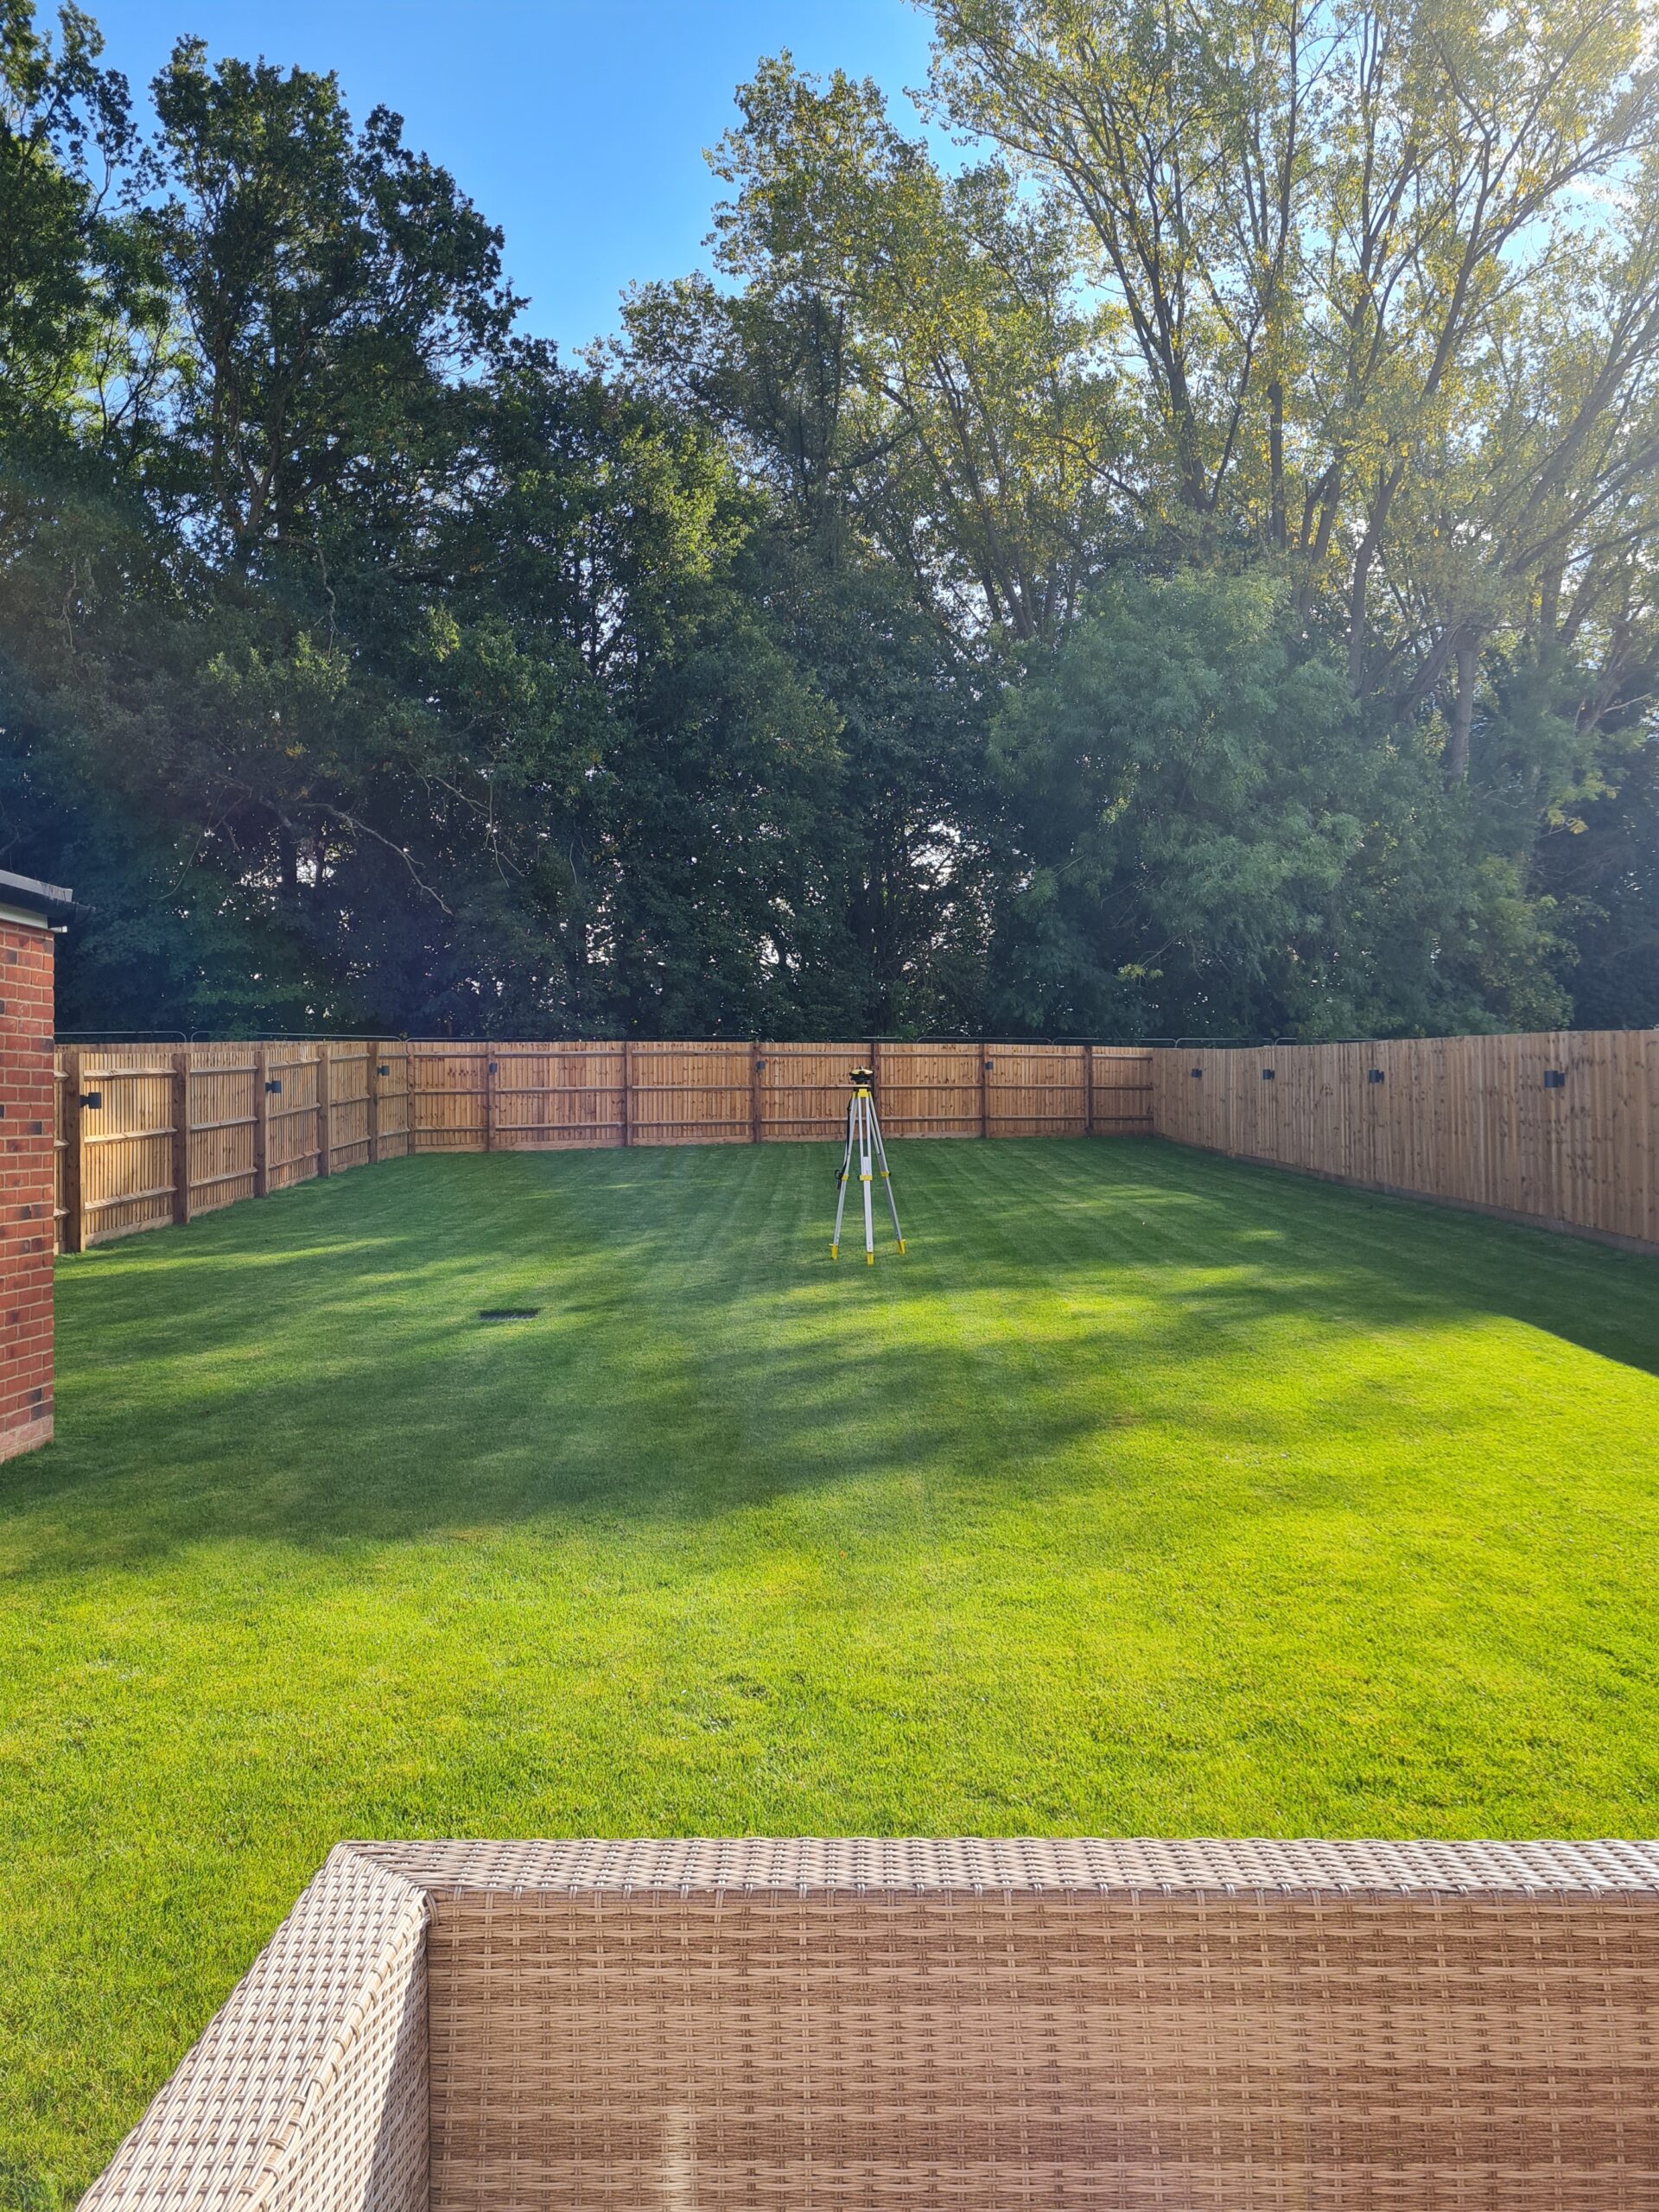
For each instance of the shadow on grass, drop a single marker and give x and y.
(312, 1370)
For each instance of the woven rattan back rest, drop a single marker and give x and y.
(929, 2045)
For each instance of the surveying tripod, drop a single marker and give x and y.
(864, 1138)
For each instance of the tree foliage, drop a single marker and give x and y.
(1185, 566)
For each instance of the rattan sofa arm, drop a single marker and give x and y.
(308, 2089)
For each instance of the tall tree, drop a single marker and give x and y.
(333, 283)
(1312, 219)
(904, 346)
(80, 300)
(1215, 845)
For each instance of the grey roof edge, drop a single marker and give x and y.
(52, 898)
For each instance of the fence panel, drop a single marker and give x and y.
(447, 1087)
(221, 1110)
(803, 1088)
(543, 1097)
(389, 1090)
(125, 1138)
(691, 1093)
(1560, 1128)
(1118, 1082)
(293, 1138)
(348, 1106)
(1036, 1090)
(932, 1090)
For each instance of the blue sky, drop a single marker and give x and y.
(578, 125)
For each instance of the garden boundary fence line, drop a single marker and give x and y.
(1559, 1129)
(146, 1136)
(149, 1134)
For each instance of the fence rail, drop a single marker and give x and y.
(151, 1134)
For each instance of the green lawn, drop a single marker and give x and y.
(1149, 1493)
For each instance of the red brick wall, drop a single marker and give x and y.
(26, 1187)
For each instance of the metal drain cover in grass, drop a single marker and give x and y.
(508, 1312)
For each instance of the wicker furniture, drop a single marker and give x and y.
(1199, 2027)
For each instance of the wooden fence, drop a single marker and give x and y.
(149, 1135)
(1559, 1130)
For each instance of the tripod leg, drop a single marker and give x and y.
(886, 1178)
(864, 1178)
(841, 1183)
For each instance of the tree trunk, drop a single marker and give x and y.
(1362, 561)
(1374, 522)
(1549, 605)
(1463, 711)
(288, 860)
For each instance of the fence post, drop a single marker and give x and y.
(628, 1093)
(72, 1224)
(1088, 1090)
(491, 1065)
(260, 1123)
(984, 1104)
(406, 1055)
(324, 1113)
(182, 1136)
(875, 1071)
(755, 1066)
(371, 1101)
